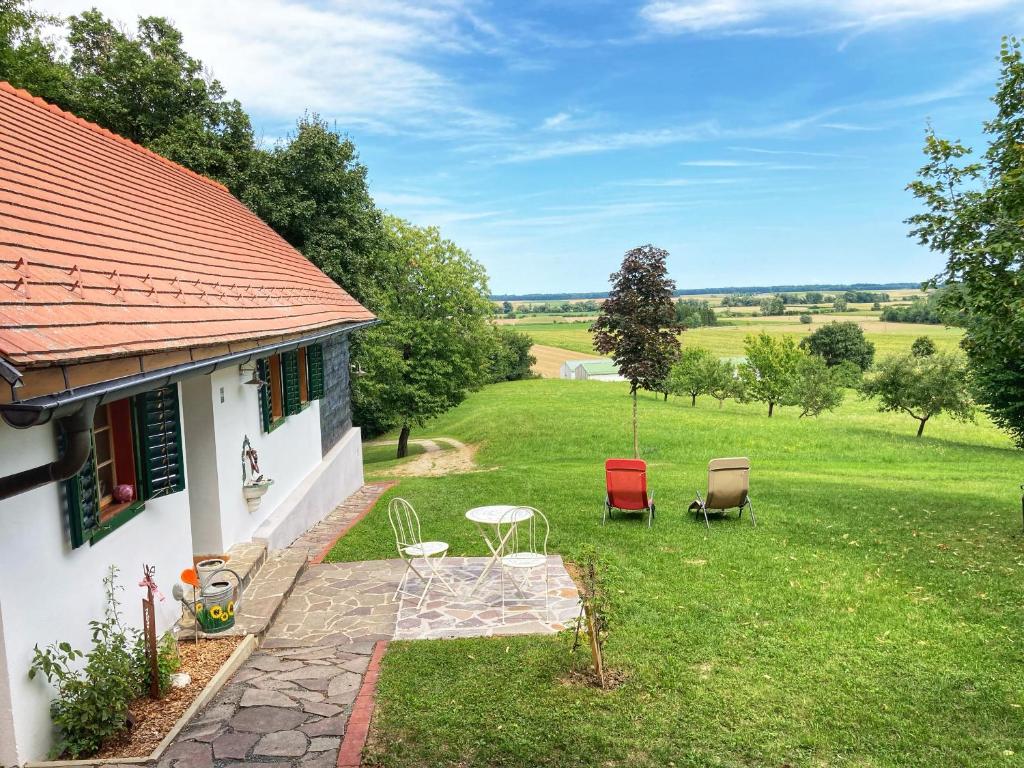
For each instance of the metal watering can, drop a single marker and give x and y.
(218, 600)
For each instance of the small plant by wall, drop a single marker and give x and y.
(92, 699)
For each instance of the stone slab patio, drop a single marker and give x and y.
(353, 601)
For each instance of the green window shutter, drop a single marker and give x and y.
(290, 383)
(158, 443)
(263, 371)
(315, 371)
(83, 500)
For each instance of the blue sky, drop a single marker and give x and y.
(758, 141)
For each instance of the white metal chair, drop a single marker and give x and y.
(524, 551)
(411, 547)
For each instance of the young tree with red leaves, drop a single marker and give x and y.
(637, 325)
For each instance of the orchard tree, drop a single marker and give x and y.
(769, 369)
(816, 387)
(688, 375)
(921, 387)
(836, 342)
(433, 340)
(721, 381)
(923, 346)
(973, 209)
(637, 325)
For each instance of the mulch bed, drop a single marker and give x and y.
(154, 719)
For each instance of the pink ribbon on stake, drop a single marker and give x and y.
(148, 582)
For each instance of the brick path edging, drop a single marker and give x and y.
(350, 754)
(351, 523)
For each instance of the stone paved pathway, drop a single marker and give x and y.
(317, 540)
(287, 706)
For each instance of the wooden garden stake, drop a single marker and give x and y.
(149, 628)
(595, 646)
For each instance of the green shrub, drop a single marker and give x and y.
(806, 319)
(92, 702)
(167, 661)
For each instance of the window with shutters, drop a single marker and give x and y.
(136, 455)
(272, 396)
(114, 451)
(291, 380)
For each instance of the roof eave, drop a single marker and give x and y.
(41, 409)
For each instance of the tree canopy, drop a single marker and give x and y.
(921, 386)
(689, 374)
(432, 344)
(637, 325)
(972, 213)
(770, 368)
(836, 342)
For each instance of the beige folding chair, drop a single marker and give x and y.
(728, 488)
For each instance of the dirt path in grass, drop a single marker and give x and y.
(550, 359)
(436, 460)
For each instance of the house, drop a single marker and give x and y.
(149, 323)
(598, 370)
(568, 369)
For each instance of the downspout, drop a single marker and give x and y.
(77, 429)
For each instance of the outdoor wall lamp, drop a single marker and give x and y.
(250, 371)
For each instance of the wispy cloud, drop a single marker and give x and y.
(797, 152)
(370, 64)
(556, 122)
(788, 17)
(746, 164)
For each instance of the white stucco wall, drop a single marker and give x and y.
(337, 477)
(288, 455)
(50, 592)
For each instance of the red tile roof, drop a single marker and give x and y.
(108, 249)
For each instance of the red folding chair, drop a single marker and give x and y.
(626, 484)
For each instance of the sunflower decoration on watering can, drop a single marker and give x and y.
(215, 596)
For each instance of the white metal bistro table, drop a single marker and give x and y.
(488, 520)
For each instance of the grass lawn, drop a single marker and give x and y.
(873, 618)
(727, 340)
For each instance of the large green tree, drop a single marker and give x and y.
(836, 342)
(770, 369)
(312, 189)
(637, 325)
(432, 344)
(921, 387)
(973, 213)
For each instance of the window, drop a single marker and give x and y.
(276, 384)
(114, 449)
(291, 380)
(136, 455)
(303, 376)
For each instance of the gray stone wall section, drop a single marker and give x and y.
(336, 405)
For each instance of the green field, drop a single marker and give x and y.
(873, 618)
(727, 340)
